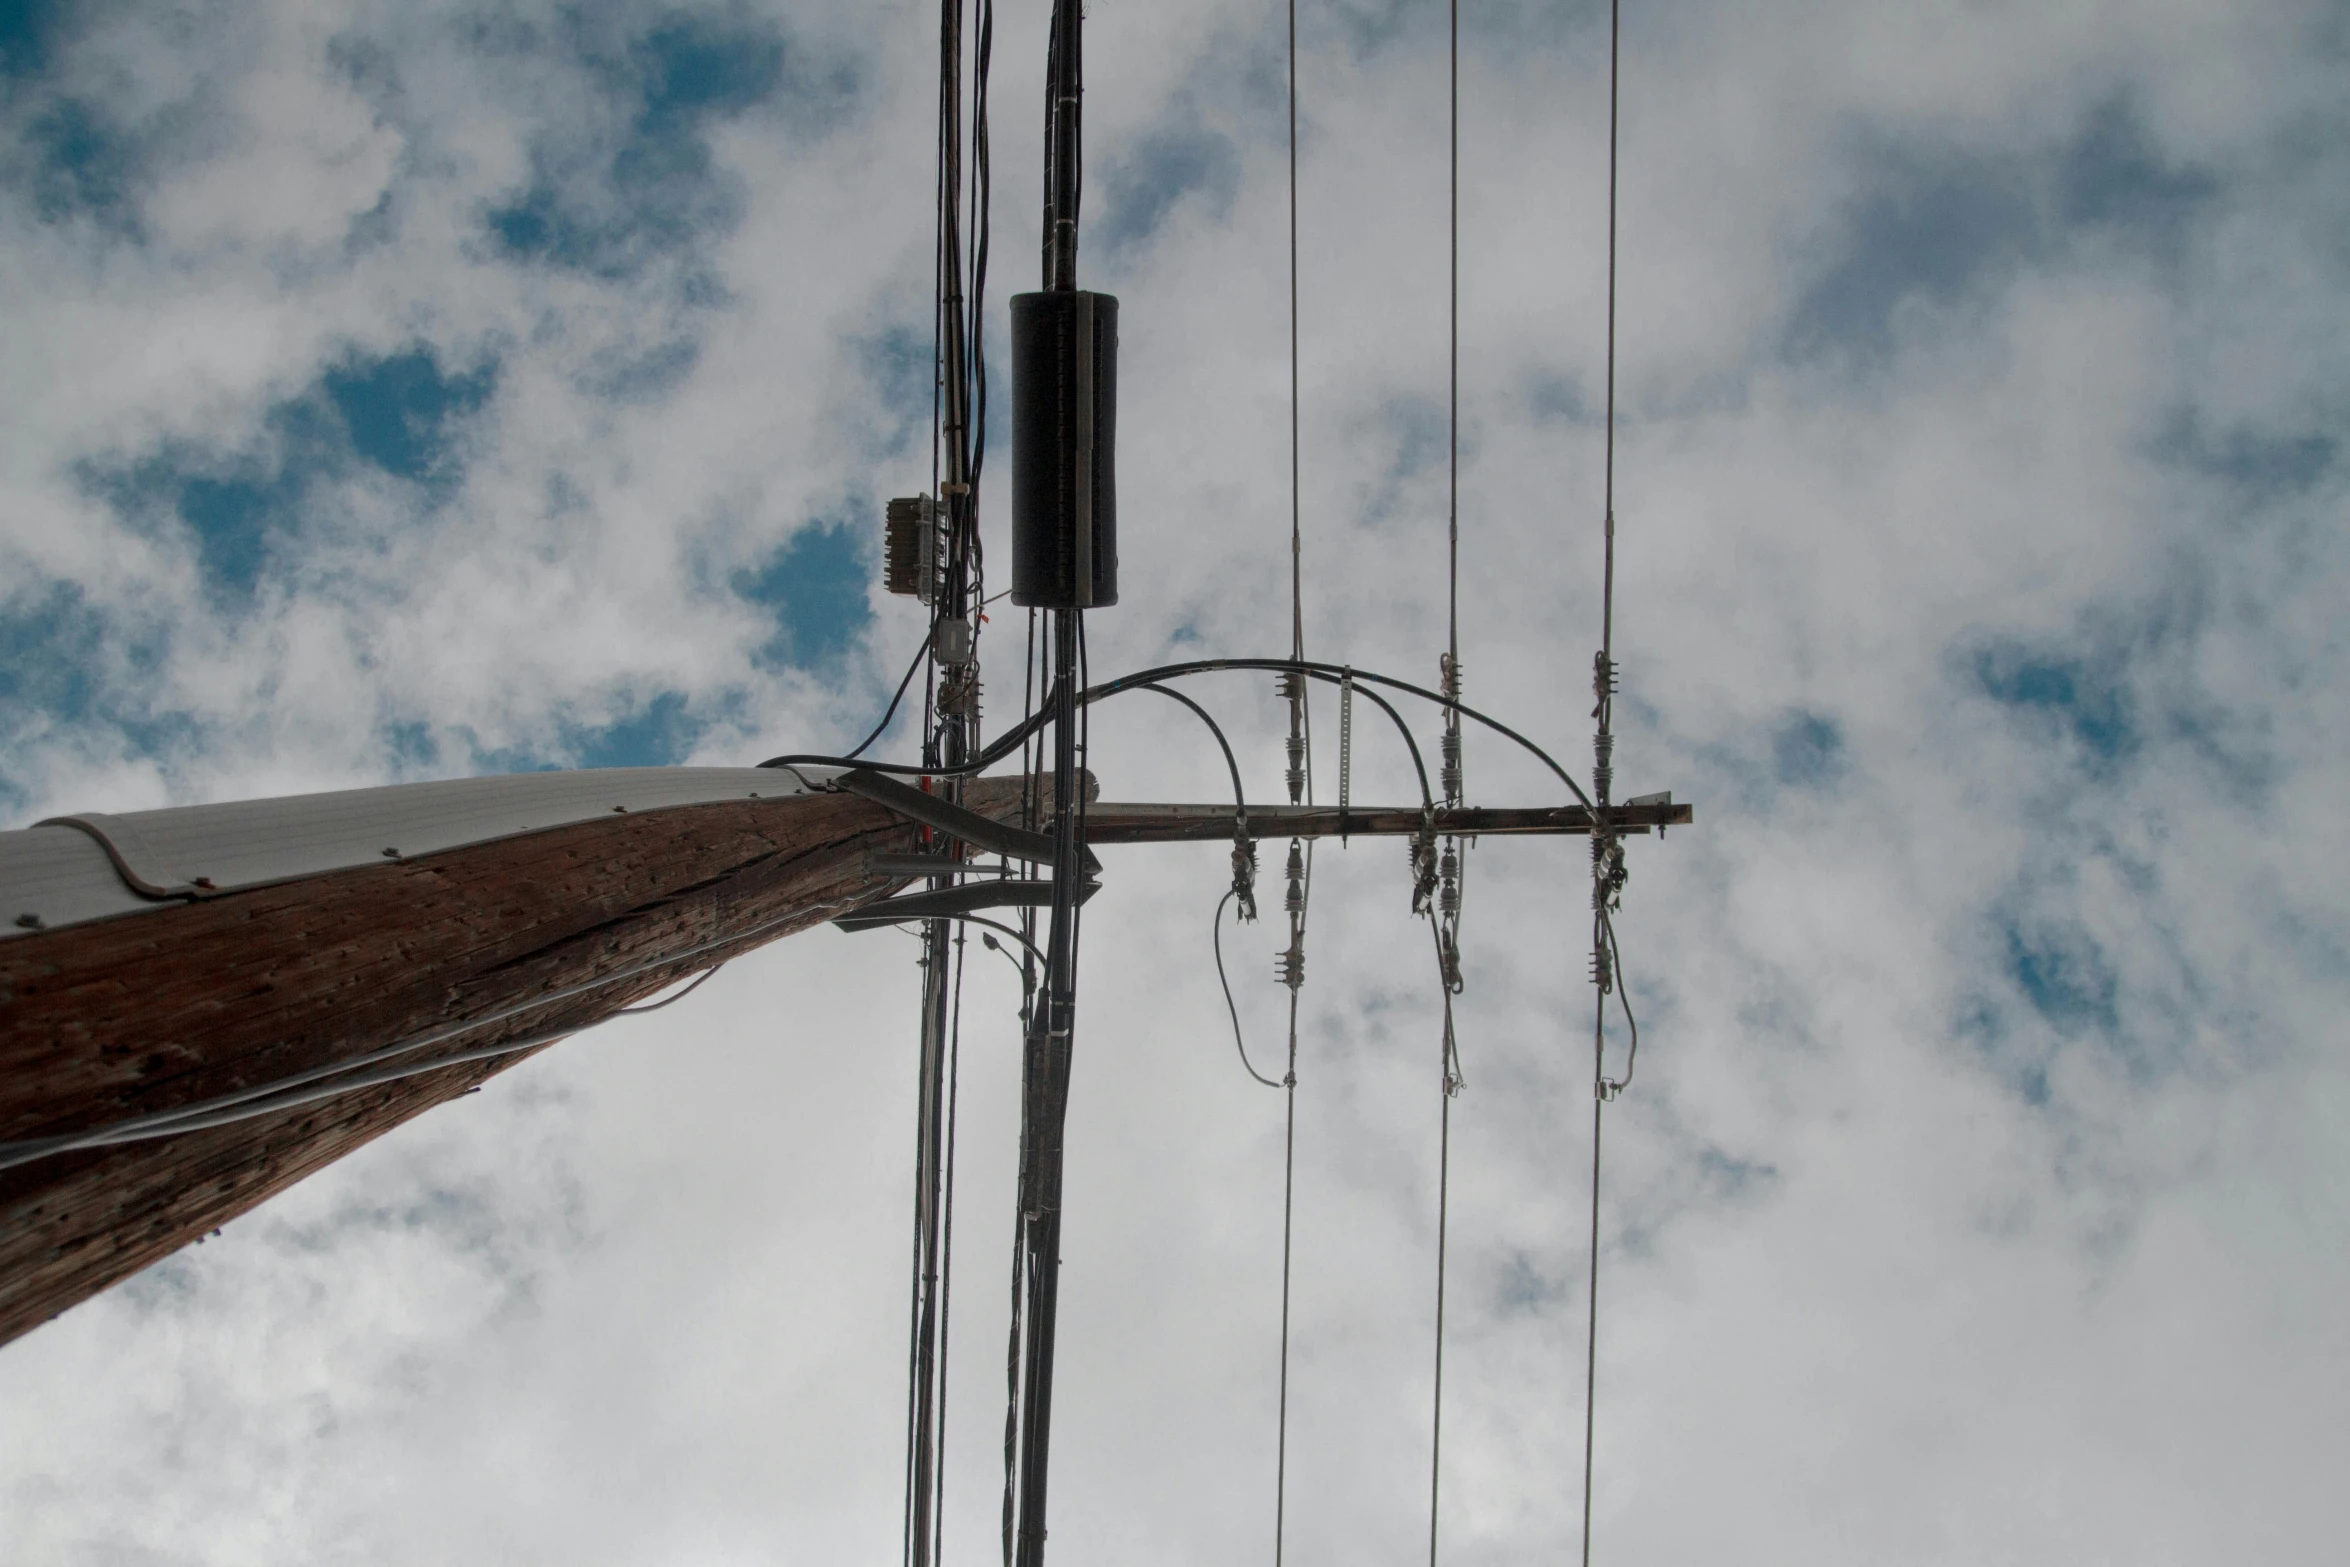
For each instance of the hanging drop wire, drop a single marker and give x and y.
(1607, 851)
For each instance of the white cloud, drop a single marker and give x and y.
(1902, 1261)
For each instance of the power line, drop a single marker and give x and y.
(1299, 869)
(1443, 877)
(1607, 854)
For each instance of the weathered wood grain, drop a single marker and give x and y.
(176, 1006)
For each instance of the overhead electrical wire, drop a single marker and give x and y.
(1299, 871)
(1330, 674)
(1239, 796)
(1607, 867)
(951, 731)
(920, 654)
(1443, 916)
(947, 1252)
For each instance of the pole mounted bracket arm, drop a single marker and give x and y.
(981, 832)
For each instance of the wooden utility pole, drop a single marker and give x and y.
(188, 1003)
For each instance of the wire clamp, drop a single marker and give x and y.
(1244, 873)
(1424, 866)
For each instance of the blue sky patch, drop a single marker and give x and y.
(49, 653)
(1941, 227)
(29, 29)
(1553, 397)
(818, 586)
(1522, 1286)
(696, 66)
(2084, 699)
(654, 190)
(900, 362)
(233, 520)
(1807, 750)
(2020, 1062)
(2264, 466)
(658, 733)
(1800, 750)
(1162, 170)
(83, 167)
(1412, 430)
(2065, 975)
(63, 661)
(413, 745)
(403, 412)
(2114, 178)
(1929, 229)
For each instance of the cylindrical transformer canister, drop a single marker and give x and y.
(1064, 438)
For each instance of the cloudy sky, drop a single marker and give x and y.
(398, 391)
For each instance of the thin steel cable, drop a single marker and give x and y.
(946, 1275)
(1452, 663)
(1288, 1218)
(1606, 965)
(1591, 1341)
(1443, 1211)
(1297, 616)
(1607, 599)
(1452, 500)
(1451, 1084)
(1302, 719)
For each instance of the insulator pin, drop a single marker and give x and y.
(1423, 852)
(1608, 872)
